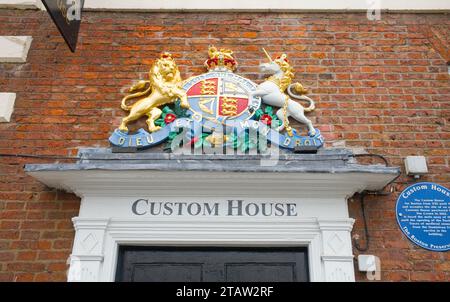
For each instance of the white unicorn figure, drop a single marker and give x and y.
(278, 90)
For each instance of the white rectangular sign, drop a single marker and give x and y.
(229, 208)
(201, 208)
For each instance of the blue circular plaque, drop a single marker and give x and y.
(422, 212)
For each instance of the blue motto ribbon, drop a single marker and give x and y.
(277, 138)
(143, 139)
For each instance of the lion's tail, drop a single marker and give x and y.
(124, 105)
(139, 86)
(300, 95)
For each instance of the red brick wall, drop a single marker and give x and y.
(380, 85)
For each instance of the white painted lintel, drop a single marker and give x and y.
(270, 5)
(413, 6)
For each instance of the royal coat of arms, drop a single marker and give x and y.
(217, 108)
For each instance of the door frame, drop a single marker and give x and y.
(109, 183)
(97, 242)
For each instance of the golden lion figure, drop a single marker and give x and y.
(164, 87)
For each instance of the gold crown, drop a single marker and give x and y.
(220, 59)
(166, 55)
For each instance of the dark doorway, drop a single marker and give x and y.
(183, 264)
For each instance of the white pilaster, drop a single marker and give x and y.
(87, 255)
(337, 256)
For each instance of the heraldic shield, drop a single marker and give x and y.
(197, 107)
(221, 96)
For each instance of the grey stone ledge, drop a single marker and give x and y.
(104, 154)
(325, 161)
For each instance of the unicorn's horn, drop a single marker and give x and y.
(267, 55)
